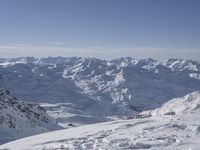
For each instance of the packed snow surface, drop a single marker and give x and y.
(175, 125)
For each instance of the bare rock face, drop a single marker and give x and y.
(19, 119)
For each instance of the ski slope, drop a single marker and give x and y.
(175, 125)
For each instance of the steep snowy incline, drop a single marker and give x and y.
(153, 130)
(20, 119)
(179, 106)
(83, 87)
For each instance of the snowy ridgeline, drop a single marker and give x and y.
(88, 90)
(21, 119)
(175, 125)
(77, 91)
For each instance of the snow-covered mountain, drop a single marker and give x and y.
(20, 119)
(175, 125)
(90, 90)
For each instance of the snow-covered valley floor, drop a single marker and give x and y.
(175, 125)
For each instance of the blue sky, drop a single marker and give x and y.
(100, 28)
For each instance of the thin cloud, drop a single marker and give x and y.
(18, 50)
(58, 43)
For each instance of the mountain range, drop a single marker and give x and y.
(76, 91)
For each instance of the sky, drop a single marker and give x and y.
(105, 29)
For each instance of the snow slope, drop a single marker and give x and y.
(156, 129)
(20, 119)
(77, 89)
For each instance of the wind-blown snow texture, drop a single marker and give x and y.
(88, 90)
(175, 125)
(20, 119)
